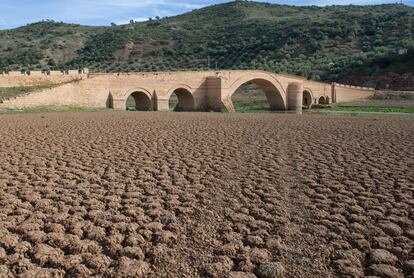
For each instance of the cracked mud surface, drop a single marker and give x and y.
(203, 194)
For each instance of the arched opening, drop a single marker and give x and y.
(322, 100)
(257, 95)
(181, 100)
(307, 99)
(138, 101)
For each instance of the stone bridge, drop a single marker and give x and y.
(196, 91)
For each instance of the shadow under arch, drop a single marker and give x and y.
(138, 100)
(181, 99)
(322, 100)
(307, 99)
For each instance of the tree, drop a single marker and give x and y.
(51, 62)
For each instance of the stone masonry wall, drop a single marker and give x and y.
(346, 93)
(79, 93)
(18, 79)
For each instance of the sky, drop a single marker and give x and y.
(15, 13)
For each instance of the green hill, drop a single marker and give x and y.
(322, 43)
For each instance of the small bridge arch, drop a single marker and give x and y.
(322, 100)
(185, 97)
(307, 97)
(140, 97)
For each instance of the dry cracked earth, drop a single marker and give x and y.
(206, 195)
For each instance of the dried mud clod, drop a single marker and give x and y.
(210, 195)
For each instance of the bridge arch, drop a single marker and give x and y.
(185, 99)
(307, 98)
(275, 94)
(322, 100)
(139, 99)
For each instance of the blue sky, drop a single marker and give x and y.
(14, 13)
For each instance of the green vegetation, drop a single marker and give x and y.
(172, 104)
(52, 108)
(11, 92)
(246, 107)
(371, 107)
(250, 98)
(320, 43)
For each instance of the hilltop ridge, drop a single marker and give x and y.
(330, 43)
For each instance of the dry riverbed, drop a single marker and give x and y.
(117, 194)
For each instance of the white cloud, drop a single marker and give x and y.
(150, 3)
(122, 11)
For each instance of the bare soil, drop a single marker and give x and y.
(389, 80)
(206, 194)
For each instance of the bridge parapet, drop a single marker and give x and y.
(354, 87)
(30, 78)
(347, 93)
(43, 73)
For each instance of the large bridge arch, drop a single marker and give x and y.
(275, 94)
(185, 96)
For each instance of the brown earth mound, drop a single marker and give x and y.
(199, 194)
(390, 80)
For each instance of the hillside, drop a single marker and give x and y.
(321, 43)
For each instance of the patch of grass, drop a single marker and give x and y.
(372, 109)
(387, 103)
(250, 107)
(134, 109)
(173, 104)
(52, 108)
(250, 98)
(11, 92)
(367, 107)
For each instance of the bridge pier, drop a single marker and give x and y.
(119, 104)
(228, 104)
(295, 97)
(161, 104)
(214, 95)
